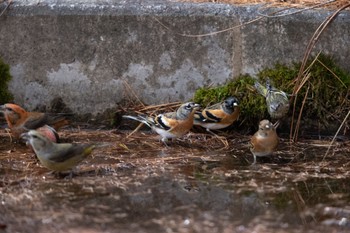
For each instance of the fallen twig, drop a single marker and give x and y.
(308, 50)
(336, 134)
(7, 6)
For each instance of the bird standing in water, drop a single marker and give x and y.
(171, 124)
(265, 141)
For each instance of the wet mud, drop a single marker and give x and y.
(200, 183)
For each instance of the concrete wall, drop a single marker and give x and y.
(84, 52)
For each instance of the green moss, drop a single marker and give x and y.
(328, 88)
(327, 100)
(5, 77)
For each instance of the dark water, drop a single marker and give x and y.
(135, 186)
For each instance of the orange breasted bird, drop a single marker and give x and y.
(218, 116)
(171, 124)
(265, 141)
(57, 156)
(20, 121)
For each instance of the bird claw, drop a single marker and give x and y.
(277, 124)
(8, 131)
(165, 140)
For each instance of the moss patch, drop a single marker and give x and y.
(328, 88)
(327, 101)
(5, 77)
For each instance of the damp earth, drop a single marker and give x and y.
(199, 183)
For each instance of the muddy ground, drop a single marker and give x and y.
(199, 183)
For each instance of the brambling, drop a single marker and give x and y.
(57, 156)
(171, 124)
(276, 100)
(218, 116)
(265, 141)
(20, 121)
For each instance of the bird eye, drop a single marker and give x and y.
(34, 136)
(9, 109)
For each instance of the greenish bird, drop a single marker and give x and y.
(57, 156)
(276, 100)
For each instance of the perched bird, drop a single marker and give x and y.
(218, 116)
(20, 121)
(172, 124)
(265, 141)
(262, 90)
(276, 100)
(57, 156)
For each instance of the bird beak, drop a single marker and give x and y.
(25, 136)
(2, 108)
(196, 106)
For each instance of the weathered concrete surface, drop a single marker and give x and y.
(86, 51)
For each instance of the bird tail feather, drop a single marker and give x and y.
(139, 118)
(260, 88)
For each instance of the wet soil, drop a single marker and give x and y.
(199, 183)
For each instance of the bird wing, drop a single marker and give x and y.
(38, 119)
(35, 120)
(213, 116)
(166, 121)
(65, 151)
(260, 88)
(140, 118)
(169, 115)
(198, 116)
(282, 95)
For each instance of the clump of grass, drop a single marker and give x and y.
(5, 77)
(327, 89)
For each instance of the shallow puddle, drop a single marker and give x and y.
(197, 184)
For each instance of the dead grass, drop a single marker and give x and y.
(142, 167)
(333, 4)
(17, 159)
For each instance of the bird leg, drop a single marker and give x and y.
(8, 131)
(254, 162)
(278, 122)
(164, 140)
